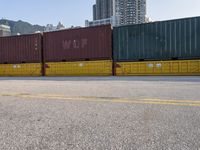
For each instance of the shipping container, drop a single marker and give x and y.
(165, 40)
(176, 67)
(92, 43)
(80, 68)
(1, 33)
(21, 49)
(31, 69)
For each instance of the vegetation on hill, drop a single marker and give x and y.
(21, 27)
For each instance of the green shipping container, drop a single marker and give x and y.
(165, 40)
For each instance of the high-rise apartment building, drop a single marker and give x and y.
(131, 11)
(118, 12)
(104, 9)
(94, 12)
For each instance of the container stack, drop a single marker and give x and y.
(78, 52)
(159, 48)
(21, 55)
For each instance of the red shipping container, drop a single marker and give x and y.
(21, 49)
(92, 43)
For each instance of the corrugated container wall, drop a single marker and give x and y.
(21, 49)
(166, 40)
(93, 43)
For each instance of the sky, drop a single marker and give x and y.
(75, 12)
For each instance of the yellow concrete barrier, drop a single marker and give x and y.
(80, 68)
(177, 67)
(29, 69)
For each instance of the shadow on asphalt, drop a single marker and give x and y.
(135, 78)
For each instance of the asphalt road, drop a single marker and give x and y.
(90, 113)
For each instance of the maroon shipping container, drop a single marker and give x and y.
(1, 33)
(92, 43)
(21, 49)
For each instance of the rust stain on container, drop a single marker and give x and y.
(93, 43)
(21, 49)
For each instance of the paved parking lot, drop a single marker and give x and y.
(131, 113)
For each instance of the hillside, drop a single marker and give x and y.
(21, 27)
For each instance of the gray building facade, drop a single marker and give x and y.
(118, 12)
(94, 12)
(104, 9)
